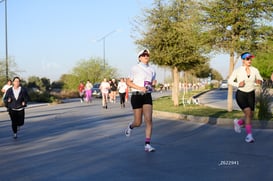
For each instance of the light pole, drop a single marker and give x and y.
(6, 38)
(103, 39)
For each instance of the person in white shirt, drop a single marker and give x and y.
(104, 88)
(245, 78)
(122, 92)
(141, 80)
(6, 87)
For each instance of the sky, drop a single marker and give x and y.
(46, 38)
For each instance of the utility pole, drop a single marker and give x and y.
(6, 38)
(103, 39)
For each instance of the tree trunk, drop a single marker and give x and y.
(175, 90)
(230, 88)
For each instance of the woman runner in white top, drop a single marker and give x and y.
(141, 81)
(245, 78)
(104, 88)
(122, 86)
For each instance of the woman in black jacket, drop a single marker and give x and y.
(15, 100)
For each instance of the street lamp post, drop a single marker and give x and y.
(103, 39)
(6, 38)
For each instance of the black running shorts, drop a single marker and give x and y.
(245, 99)
(138, 100)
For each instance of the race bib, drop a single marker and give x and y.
(148, 86)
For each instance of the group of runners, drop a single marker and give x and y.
(141, 80)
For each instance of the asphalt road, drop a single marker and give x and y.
(218, 99)
(75, 141)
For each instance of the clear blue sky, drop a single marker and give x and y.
(46, 38)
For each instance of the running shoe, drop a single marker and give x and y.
(249, 138)
(15, 136)
(149, 148)
(128, 130)
(237, 127)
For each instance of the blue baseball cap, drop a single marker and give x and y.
(247, 55)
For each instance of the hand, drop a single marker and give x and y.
(242, 84)
(258, 82)
(143, 89)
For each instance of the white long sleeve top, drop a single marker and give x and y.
(239, 75)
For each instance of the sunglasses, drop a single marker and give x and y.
(248, 59)
(145, 55)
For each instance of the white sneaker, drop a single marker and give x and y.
(249, 138)
(128, 130)
(149, 148)
(237, 127)
(15, 136)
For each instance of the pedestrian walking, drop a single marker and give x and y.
(81, 91)
(141, 80)
(16, 99)
(245, 78)
(104, 88)
(122, 92)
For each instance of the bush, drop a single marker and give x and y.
(264, 104)
(64, 94)
(39, 97)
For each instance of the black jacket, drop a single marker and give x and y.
(16, 104)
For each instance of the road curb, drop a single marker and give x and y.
(209, 120)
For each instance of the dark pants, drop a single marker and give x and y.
(17, 119)
(122, 97)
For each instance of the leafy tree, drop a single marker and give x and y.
(236, 26)
(203, 71)
(216, 75)
(58, 85)
(42, 84)
(264, 57)
(12, 70)
(172, 33)
(46, 83)
(92, 69)
(70, 81)
(38, 89)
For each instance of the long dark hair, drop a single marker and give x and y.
(16, 78)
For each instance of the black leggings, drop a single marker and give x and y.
(122, 97)
(17, 119)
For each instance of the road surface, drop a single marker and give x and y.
(74, 141)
